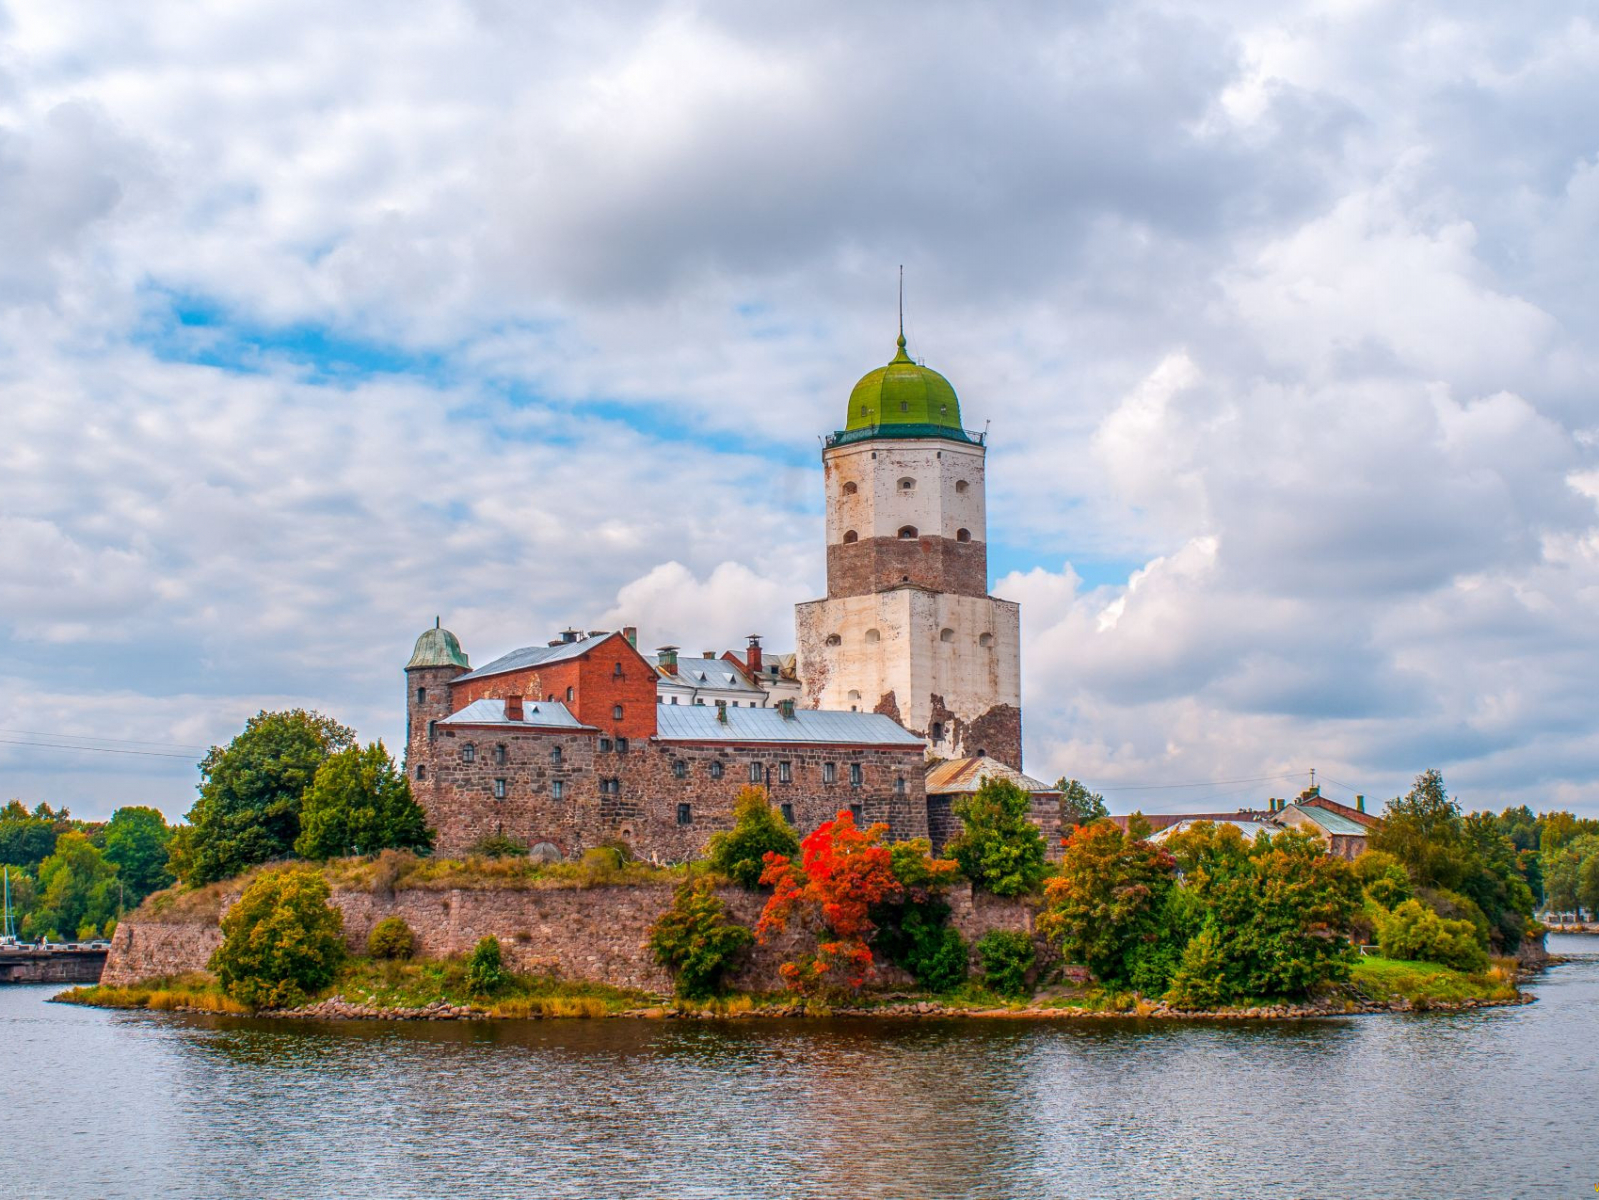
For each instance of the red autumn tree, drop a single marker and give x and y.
(842, 872)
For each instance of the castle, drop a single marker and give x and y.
(904, 693)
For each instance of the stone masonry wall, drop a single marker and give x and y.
(598, 934)
(877, 564)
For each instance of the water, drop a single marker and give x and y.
(1494, 1103)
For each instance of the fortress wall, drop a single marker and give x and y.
(596, 934)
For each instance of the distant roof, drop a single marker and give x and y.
(699, 723)
(963, 775)
(537, 656)
(545, 714)
(706, 673)
(1332, 822)
(1251, 829)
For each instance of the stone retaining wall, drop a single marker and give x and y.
(596, 934)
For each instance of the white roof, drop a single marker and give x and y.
(699, 723)
(541, 714)
(1249, 828)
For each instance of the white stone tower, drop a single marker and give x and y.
(908, 627)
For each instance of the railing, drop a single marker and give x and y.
(845, 437)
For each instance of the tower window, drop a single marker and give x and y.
(850, 489)
(935, 732)
(872, 636)
(907, 484)
(834, 640)
(946, 635)
(685, 814)
(717, 769)
(985, 639)
(908, 533)
(571, 694)
(557, 789)
(555, 756)
(421, 771)
(963, 535)
(961, 486)
(851, 537)
(680, 769)
(499, 755)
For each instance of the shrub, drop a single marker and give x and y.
(918, 938)
(1415, 933)
(485, 969)
(1007, 955)
(999, 848)
(758, 830)
(696, 942)
(391, 938)
(1105, 903)
(281, 941)
(497, 846)
(1384, 878)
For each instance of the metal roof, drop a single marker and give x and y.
(437, 648)
(961, 775)
(537, 656)
(545, 714)
(1251, 829)
(1330, 821)
(714, 673)
(699, 723)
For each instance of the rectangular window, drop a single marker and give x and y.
(755, 772)
(674, 699)
(785, 772)
(616, 712)
(685, 814)
(499, 754)
(716, 770)
(621, 745)
(499, 789)
(468, 752)
(899, 785)
(558, 789)
(788, 813)
(855, 811)
(421, 771)
(829, 772)
(855, 779)
(605, 745)
(555, 756)
(421, 695)
(680, 769)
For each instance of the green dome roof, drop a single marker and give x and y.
(905, 393)
(437, 648)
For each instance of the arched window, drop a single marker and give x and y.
(908, 533)
(850, 489)
(985, 639)
(872, 637)
(421, 695)
(907, 484)
(935, 732)
(963, 535)
(570, 695)
(946, 635)
(468, 752)
(851, 537)
(834, 640)
(962, 487)
(854, 699)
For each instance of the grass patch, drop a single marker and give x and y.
(416, 984)
(1424, 983)
(171, 994)
(398, 871)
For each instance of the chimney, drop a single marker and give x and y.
(630, 632)
(569, 636)
(752, 656)
(667, 655)
(786, 707)
(1360, 804)
(721, 711)
(513, 708)
(708, 653)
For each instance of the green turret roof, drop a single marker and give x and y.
(904, 399)
(437, 648)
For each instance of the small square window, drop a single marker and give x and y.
(716, 770)
(679, 769)
(685, 814)
(499, 789)
(421, 771)
(855, 775)
(621, 745)
(755, 772)
(785, 772)
(829, 772)
(605, 745)
(468, 752)
(558, 789)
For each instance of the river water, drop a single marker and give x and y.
(1495, 1103)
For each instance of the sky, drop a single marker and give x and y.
(319, 321)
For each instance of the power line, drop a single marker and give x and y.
(1160, 787)
(87, 737)
(96, 749)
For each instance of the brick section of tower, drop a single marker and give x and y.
(939, 564)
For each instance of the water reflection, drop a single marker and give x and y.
(1489, 1103)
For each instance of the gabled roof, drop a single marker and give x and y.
(1332, 822)
(959, 776)
(538, 656)
(714, 673)
(1251, 829)
(699, 723)
(544, 714)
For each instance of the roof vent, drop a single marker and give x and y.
(570, 635)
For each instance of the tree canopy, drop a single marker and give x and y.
(360, 803)
(999, 848)
(1078, 805)
(137, 841)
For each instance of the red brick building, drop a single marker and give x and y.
(564, 746)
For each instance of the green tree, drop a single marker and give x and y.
(136, 840)
(1078, 805)
(360, 803)
(249, 806)
(1104, 904)
(695, 940)
(1007, 956)
(1384, 878)
(281, 941)
(758, 830)
(77, 892)
(28, 838)
(999, 848)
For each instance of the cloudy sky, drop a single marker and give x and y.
(319, 320)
